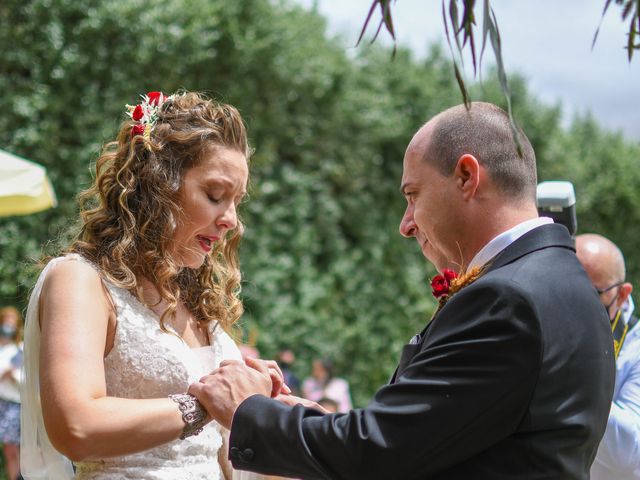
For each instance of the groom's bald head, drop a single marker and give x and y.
(483, 131)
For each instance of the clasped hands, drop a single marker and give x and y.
(224, 389)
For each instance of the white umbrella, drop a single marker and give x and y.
(24, 186)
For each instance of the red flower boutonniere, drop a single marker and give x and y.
(441, 284)
(448, 283)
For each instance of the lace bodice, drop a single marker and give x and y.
(146, 362)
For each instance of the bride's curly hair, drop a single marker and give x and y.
(129, 214)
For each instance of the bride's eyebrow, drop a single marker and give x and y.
(219, 182)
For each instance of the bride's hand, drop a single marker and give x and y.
(277, 377)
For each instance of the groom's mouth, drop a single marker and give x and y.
(423, 245)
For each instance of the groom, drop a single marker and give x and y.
(512, 379)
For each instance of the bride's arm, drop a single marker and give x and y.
(82, 422)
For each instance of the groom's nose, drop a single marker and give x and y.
(408, 227)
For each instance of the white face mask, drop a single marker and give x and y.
(7, 331)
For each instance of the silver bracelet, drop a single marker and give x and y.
(193, 414)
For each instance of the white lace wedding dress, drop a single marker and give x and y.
(145, 362)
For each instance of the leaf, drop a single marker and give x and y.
(604, 11)
(461, 84)
(377, 31)
(386, 17)
(627, 9)
(366, 21)
(453, 15)
(502, 78)
(485, 29)
(468, 21)
(387, 21)
(456, 70)
(632, 30)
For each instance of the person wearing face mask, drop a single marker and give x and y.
(619, 452)
(10, 363)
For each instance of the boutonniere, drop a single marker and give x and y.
(444, 285)
(441, 284)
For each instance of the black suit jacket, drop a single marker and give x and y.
(513, 379)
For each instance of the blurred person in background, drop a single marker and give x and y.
(285, 359)
(618, 456)
(322, 384)
(140, 304)
(10, 370)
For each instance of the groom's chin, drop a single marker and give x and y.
(442, 264)
(436, 260)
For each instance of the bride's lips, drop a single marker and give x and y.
(206, 243)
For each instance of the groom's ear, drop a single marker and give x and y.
(468, 174)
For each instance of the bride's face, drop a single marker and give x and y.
(209, 198)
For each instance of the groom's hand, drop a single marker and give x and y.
(278, 386)
(222, 391)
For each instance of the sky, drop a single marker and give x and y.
(547, 41)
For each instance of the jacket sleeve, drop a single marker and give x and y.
(467, 388)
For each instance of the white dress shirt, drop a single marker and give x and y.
(502, 241)
(618, 456)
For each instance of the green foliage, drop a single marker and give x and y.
(325, 270)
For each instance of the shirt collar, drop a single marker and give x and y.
(503, 240)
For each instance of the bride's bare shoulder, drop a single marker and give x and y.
(74, 282)
(71, 270)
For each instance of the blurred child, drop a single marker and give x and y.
(322, 384)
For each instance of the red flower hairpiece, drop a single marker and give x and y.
(155, 97)
(146, 113)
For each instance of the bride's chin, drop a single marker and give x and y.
(195, 264)
(191, 260)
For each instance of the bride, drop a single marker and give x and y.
(139, 305)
